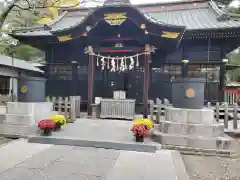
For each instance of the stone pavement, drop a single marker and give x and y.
(110, 130)
(81, 163)
(115, 134)
(17, 151)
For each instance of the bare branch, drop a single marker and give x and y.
(6, 12)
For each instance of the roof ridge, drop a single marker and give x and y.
(141, 5)
(147, 17)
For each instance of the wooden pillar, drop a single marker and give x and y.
(74, 78)
(91, 72)
(146, 79)
(222, 79)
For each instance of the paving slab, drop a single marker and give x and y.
(17, 151)
(58, 163)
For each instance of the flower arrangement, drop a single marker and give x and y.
(60, 121)
(147, 122)
(140, 131)
(47, 126)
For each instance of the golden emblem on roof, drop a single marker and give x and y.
(24, 89)
(171, 35)
(64, 38)
(115, 19)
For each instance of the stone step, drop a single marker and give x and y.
(26, 120)
(2, 118)
(194, 116)
(202, 152)
(169, 127)
(72, 141)
(17, 131)
(16, 119)
(29, 108)
(217, 143)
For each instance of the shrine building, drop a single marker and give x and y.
(139, 49)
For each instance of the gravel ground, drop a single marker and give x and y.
(212, 167)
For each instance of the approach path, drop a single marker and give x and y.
(26, 161)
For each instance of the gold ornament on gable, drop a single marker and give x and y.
(115, 19)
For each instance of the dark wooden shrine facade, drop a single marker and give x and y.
(191, 31)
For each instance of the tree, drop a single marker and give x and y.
(35, 6)
(24, 13)
(234, 59)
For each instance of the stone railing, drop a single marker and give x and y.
(68, 106)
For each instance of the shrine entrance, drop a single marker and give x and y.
(119, 42)
(121, 79)
(119, 71)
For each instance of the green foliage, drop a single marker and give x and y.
(28, 53)
(24, 52)
(234, 59)
(19, 18)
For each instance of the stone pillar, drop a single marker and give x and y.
(91, 72)
(13, 86)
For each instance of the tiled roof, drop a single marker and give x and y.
(67, 22)
(202, 18)
(116, 2)
(21, 64)
(194, 16)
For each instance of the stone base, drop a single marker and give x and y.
(194, 116)
(27, 114)
(168, 127)
(3, 110)
(193, 129)
(14, 119)
(22, 108)
(217, 143)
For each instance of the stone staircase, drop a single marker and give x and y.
(193, 130)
